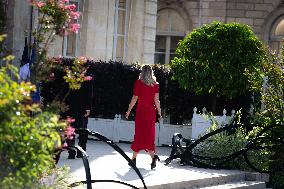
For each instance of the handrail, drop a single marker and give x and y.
(187, 156)
(85, 163)
(88, 180)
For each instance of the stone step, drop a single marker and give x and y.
(106, 164)
(199, 183)
(238, 185)
(234, 181)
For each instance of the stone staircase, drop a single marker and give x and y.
(240, 185)
(107, 164)
(245, 180)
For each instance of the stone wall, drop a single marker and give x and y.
(251, 12)
(97, 33)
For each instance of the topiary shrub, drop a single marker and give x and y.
(213, 60)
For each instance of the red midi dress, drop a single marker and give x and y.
(145, 118)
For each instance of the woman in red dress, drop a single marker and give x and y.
(146, 91)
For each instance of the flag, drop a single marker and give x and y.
(33, 55)
(25, 55)
(24, 72)
(36, 95)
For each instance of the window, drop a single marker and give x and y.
(277, 34)
(70, 42)
(165, 48)
(120, 30)
(170, 30)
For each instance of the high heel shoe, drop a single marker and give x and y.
(134, 161)
(153, 164)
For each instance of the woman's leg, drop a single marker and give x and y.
(134, 155)
(151, 153)
(154, 159)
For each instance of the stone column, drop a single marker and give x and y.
(150, 18)
(15, 38)
(135, 34)
(96, 38)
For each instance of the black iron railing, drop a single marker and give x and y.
(89, 180)
(184, 149)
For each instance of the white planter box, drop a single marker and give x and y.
(201, 123)
(122, 130)
(167, 131)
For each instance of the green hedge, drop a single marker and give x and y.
(113, 85)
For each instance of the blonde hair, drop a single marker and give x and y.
(147, 75)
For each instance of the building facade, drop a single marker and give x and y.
(144, 31)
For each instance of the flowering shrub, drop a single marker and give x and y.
(56, 17)
(74, 71)
(30, 135)
(69, 131)
(27, 142)
(75, 74)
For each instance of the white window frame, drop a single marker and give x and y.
(65, 39)
(275, 38)
(168, 36)
(116, 35)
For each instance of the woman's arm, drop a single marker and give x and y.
(157, 104)
(131, 104)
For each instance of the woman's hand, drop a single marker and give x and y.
(127, 114)
(87, 113)
(159, 117)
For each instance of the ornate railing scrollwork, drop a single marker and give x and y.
(89, 180)
(184, 148)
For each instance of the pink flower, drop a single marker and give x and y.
(70, 132)
(74, 27)
(70, 137)
(83, 59)
(39, 4)
(74, 15)
(70, 120)
(64, 145)
(71, 7)
(88, 78)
